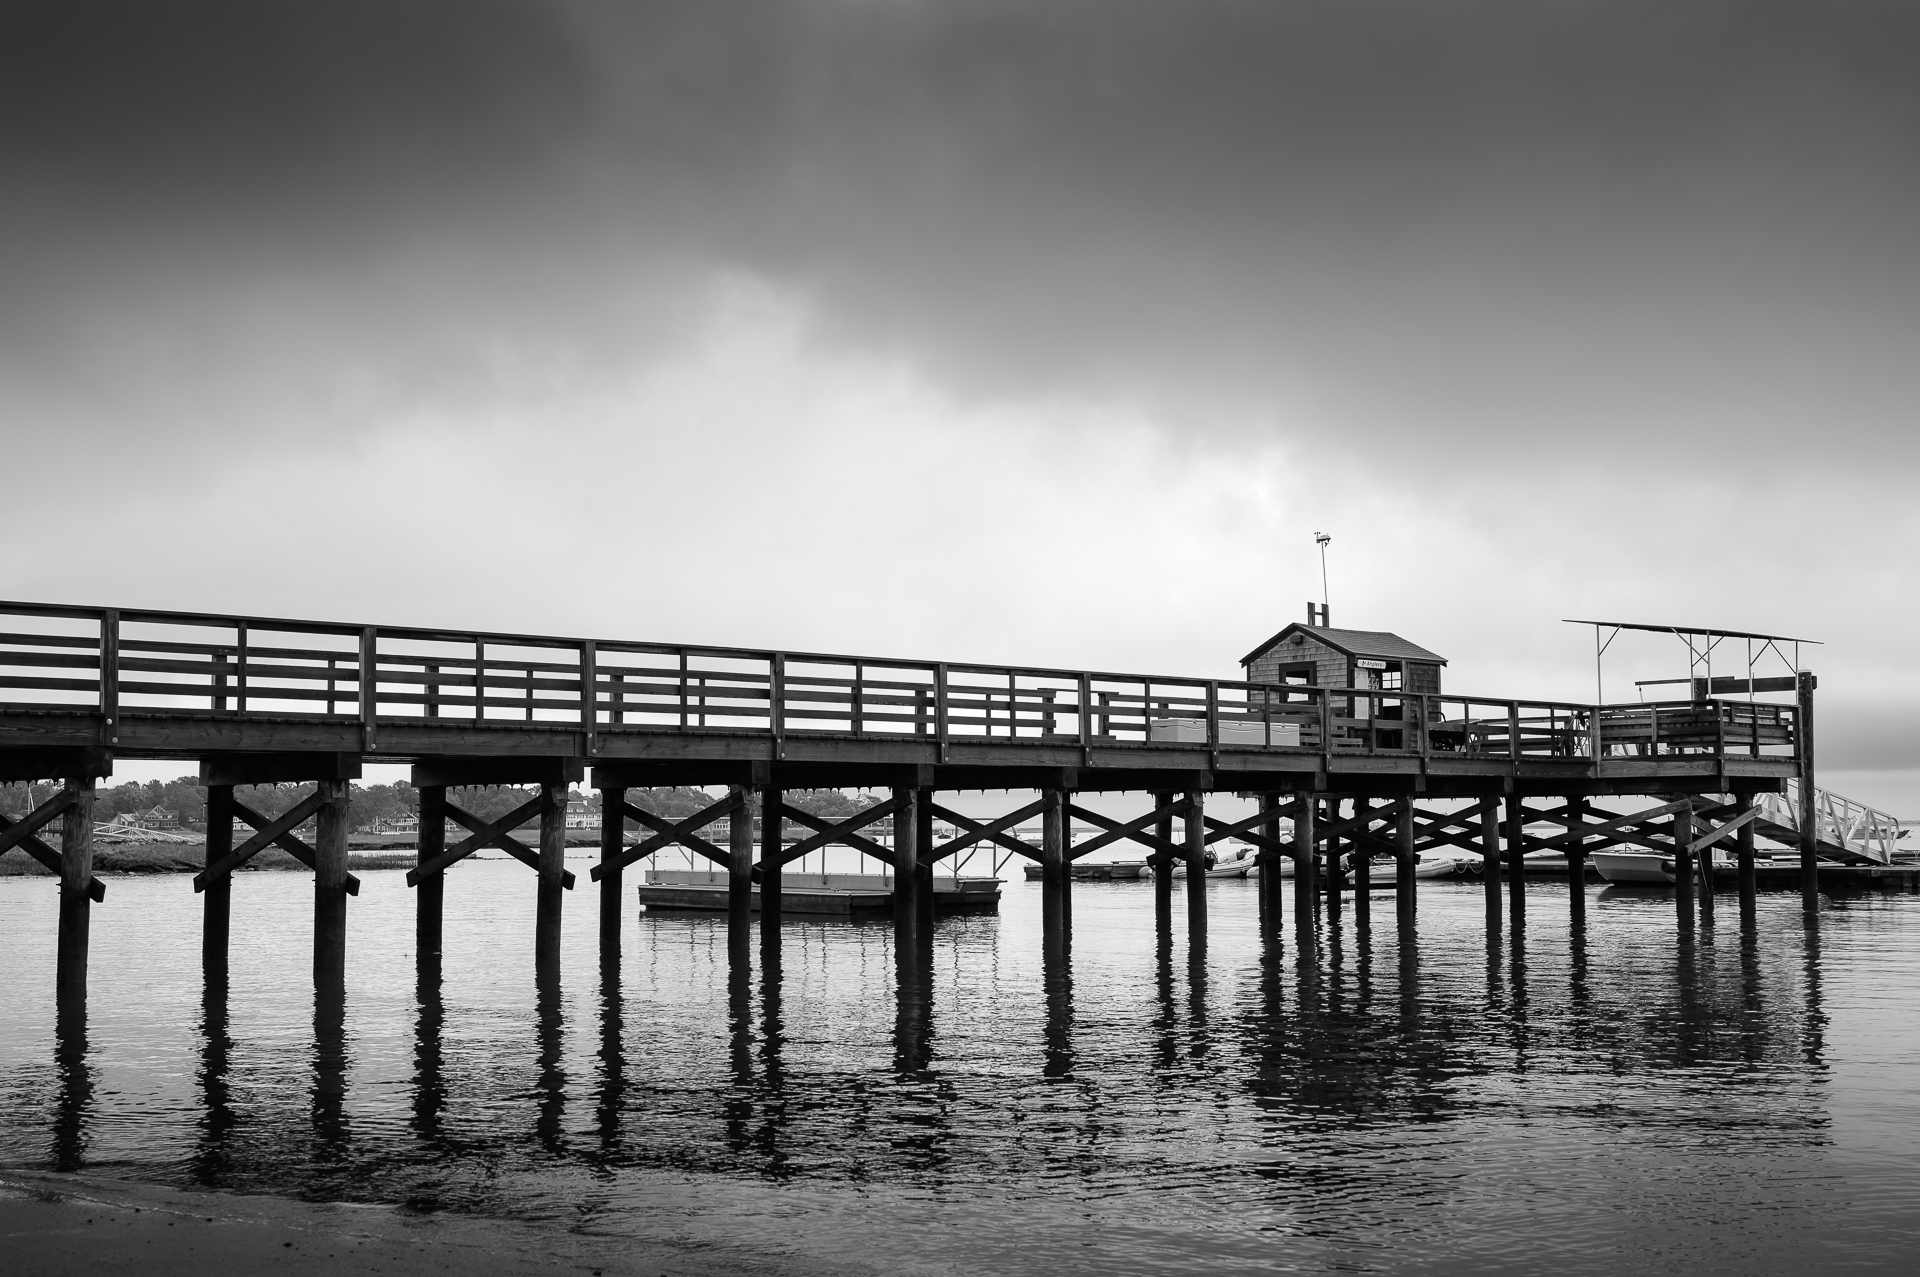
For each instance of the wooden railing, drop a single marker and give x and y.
(129, 662)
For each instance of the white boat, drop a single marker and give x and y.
(1239, 861)
(1647, 868)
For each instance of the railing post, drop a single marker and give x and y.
(1513, 731)
(1086, 711)
(589, 692)
(940, 709)
(1213, 714)
(776, 702)
(369, 688)
(479, 680)
(110, 675)
(859, 697)
(240, 676)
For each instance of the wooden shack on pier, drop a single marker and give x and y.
(1318, 655)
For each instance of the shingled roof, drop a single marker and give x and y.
(1375, 644)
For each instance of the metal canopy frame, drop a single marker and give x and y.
(1701, 641)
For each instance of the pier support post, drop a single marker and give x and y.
(1490, 862)
(330, 889)
(1305, 860)
(906, 869)
(740, 873)
(429, 905)
(1683, 862)
(1162, 861)
(76, 875)
(1743, 856)
(613, 826)
(772, 842)
(1577, 859)
(1267, 862)
(1196, 868)
(552, 866)
(1406, 859)
(1362, 857)
(923, 849)
(1055, 876)
(1703, 870)
(217, 908)
(1809, 805)
(1331, 856)
(1516, 855)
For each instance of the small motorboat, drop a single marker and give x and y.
(1239, 861)
(1641, 868)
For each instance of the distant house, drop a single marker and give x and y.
(396, 825)
(1321, 656)
(154, 818)
(581, 814)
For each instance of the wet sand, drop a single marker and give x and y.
(54, 1224)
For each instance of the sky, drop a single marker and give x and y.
(1013, 332)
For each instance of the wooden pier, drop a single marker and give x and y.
(1353, 771)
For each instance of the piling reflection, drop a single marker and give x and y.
(73, 1102)
(331, 1136)
(550, 1076)
(1057, 975)
(913, 1015)
(212, 1162)
(611, 1056)
(429, 1066)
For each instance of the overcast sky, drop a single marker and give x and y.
(1021, 332)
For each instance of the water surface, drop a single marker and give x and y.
(1626, 1094)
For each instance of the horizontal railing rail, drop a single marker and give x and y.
(143, 662)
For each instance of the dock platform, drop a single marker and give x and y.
(818, 895)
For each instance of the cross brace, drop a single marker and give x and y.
(277, 832)
(486, 834)
(19, 833)
(843, 832)
(994, 832)
(1716, 834)
(1134, 830)
(689, 840)
(679, 832)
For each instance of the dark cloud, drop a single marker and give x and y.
(1500, 222)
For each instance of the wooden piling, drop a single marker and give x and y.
(740, 870)
(1196, 867)
(1163, 862)
(1743, 856)
(552, 867)
(1577, 860)
(1362, 858)
(430, 893)
(1703, 873)
(1406, 860)
(906, 868)
(1268, 862)
(1055, 875)
(330, 890)
(217, 907)
(613, 824)
(76, 874)
(1809, 805)
(1682, 836)
(1304, 859)
(1490, 861)
(923, 842)
(772, 828)
(1516, 854)
(1330, 856)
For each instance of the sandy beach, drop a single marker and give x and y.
(54, 1224)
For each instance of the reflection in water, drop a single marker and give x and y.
(73, 1108)
(1296, 1090)
(429, 1077)
(550, 1085)
(611, 1057)
(211, 1161)
(331, 1136)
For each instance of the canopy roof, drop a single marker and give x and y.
(1693, 629)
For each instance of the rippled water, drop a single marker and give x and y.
(1620, 1096)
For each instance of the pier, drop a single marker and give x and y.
(1392, 767)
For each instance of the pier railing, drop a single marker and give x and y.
(125, 662)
